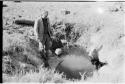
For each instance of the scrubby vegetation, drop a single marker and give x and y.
(85, 27)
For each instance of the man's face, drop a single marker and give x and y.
(45, 14)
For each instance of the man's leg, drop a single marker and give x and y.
(43, 53)
(48, 44)
(40, 46)
(41, 50)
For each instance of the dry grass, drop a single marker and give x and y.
(41, 76)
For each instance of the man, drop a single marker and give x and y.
(43, 33)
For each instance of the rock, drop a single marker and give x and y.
(24, 22)
(65, 12)
(58, 51)
(17, 1)
(4, 5)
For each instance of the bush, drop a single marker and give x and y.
(66, 31)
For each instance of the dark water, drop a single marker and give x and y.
(76, 62)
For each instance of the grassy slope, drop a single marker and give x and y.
(88, 20)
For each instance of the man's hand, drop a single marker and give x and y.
(38, 39)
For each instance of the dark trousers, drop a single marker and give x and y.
(44, 47)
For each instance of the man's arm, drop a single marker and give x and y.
(49, 28)
(36, 29)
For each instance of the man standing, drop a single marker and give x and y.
(43, 32)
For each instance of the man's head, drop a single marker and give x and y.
(44, 14)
